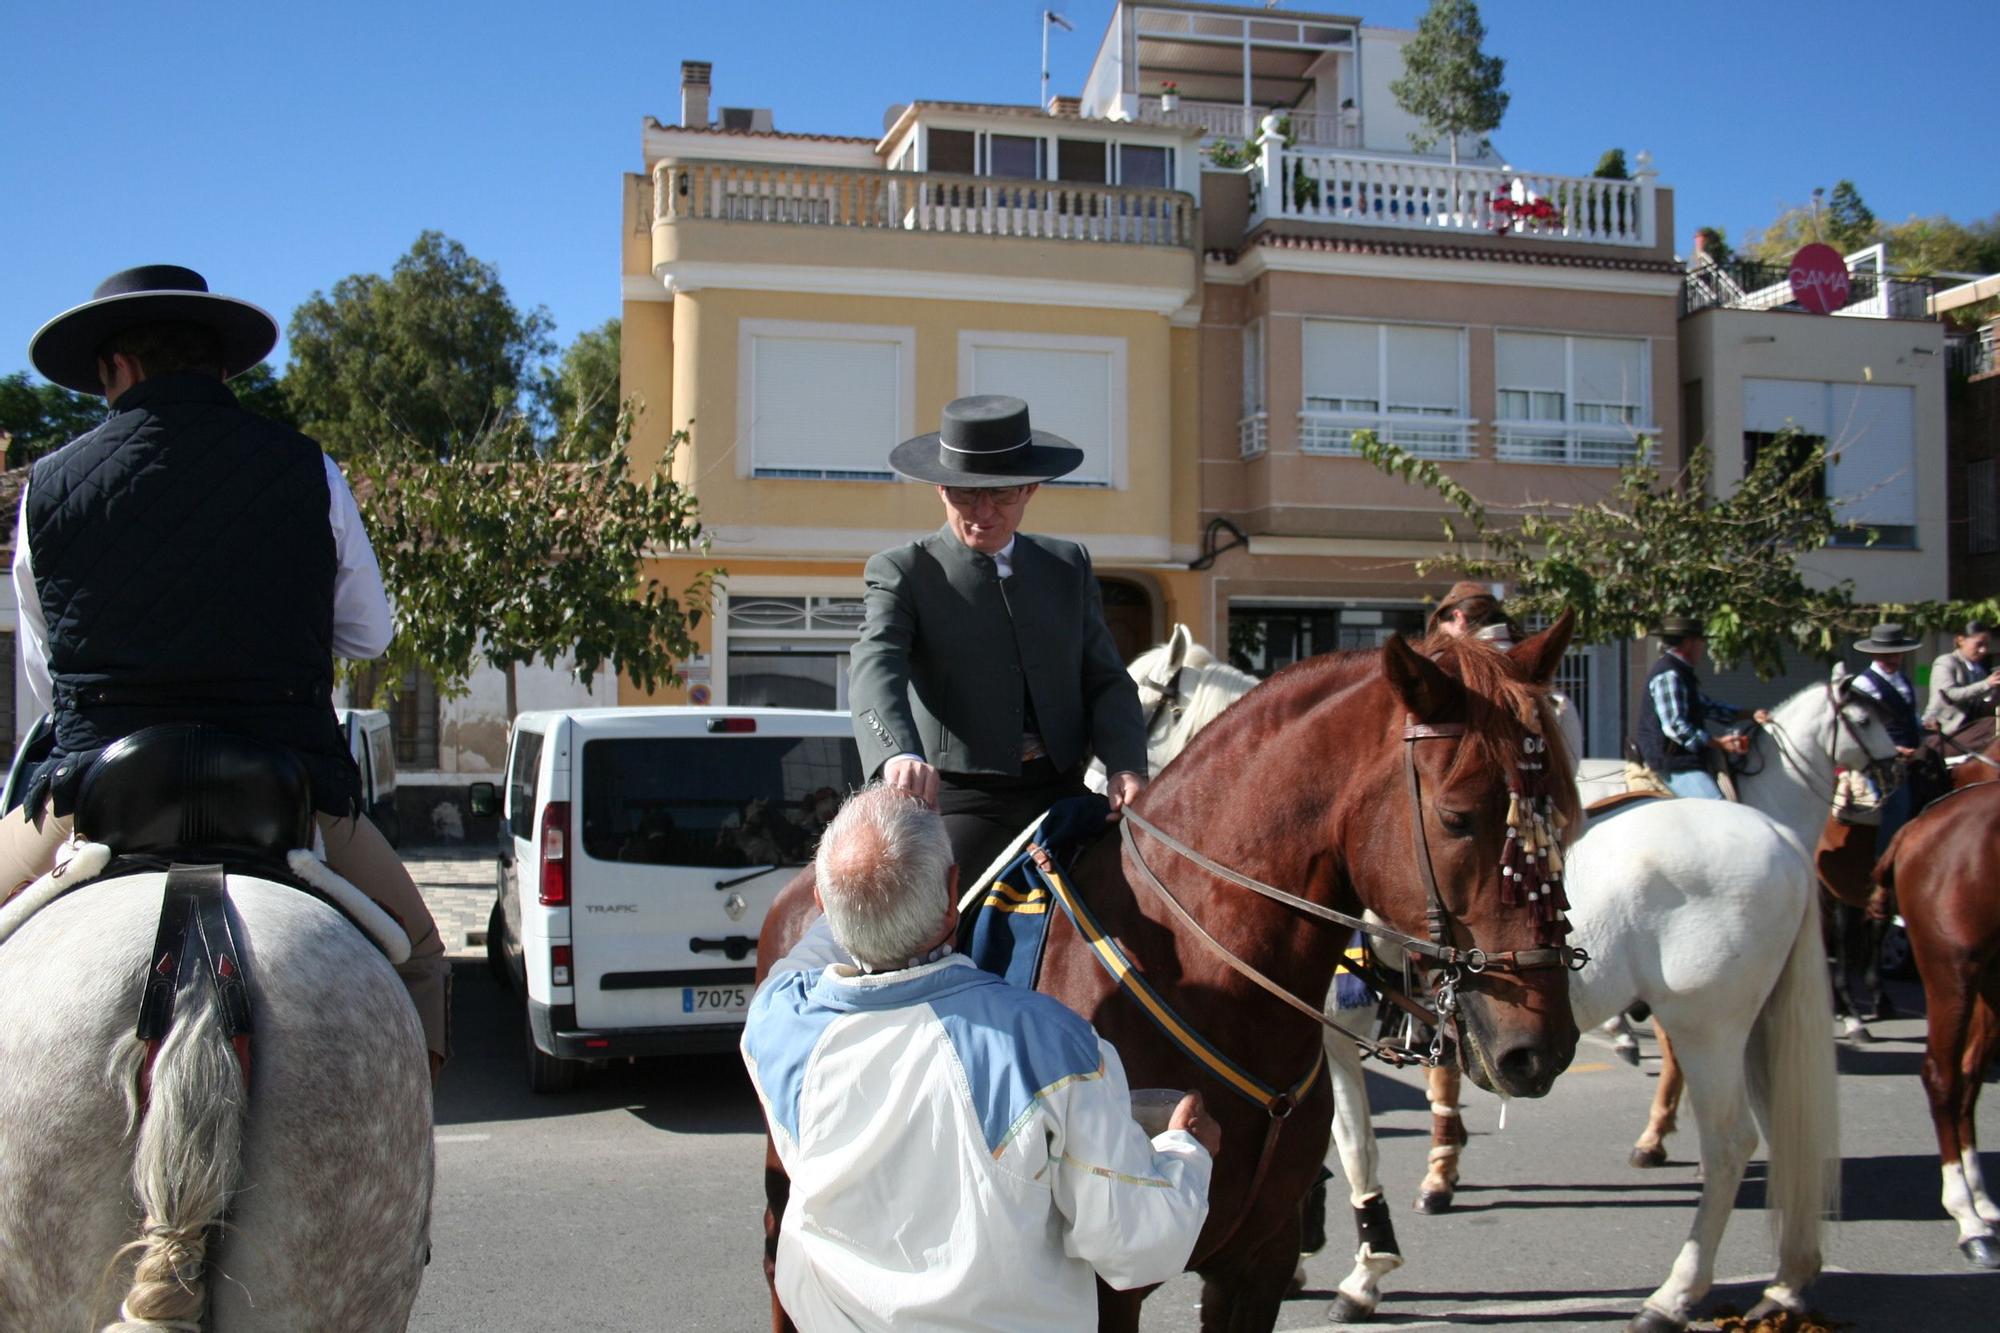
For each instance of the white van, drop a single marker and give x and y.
(639, 851)
(373, 744)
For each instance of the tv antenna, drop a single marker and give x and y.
(1049, 16)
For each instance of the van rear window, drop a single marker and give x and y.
(721, 803)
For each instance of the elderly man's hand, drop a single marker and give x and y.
(1192, 1115)
(1735, 743)
(914, 777)
(1122, 789)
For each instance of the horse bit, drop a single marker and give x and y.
(1454, 964)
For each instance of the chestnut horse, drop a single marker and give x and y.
(1940, 866)
(1332, 780)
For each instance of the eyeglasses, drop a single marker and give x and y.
(971, 497)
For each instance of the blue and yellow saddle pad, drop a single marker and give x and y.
(1007, 929)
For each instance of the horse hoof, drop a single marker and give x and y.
(1649, 1320)
(1434, 1202)
(1981, 1251)
(1645, 1159)
(1627, 1050)
(1346, 1310)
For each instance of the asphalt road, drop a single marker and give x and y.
(634, 1203)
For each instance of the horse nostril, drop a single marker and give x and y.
(1525, 1069)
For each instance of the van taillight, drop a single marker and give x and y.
(555, 854)
(731, 725)
(559, 965)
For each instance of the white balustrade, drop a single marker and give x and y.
(700, 190)
(1310, 185)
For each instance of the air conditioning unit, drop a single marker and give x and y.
(754, 118)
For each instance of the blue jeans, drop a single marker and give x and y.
(1693, 783)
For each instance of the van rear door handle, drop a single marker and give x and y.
(735, 947)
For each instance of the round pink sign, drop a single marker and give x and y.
(1819, 278)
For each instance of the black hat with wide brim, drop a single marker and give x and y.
(986, 441)
(65, 349)
(1887, 637)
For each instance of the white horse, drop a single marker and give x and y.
(303, 1205)
(1709, 913)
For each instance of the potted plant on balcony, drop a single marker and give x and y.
(1170, 97)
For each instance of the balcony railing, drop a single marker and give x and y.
(1307, 185)
(762, 192)
(1332, 433)
(1228, 120)
(1743, 285)
(1567, 443)
(1253, 435)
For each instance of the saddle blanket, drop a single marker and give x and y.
(1006, 927)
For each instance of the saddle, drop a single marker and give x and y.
(197, 802)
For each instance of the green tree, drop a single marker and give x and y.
(520, 548)
(1449, 84)
(1850, 224)
(1650, 548)
(1611, 166)
(38, 417)
(1941, 245)
(435, 353)
(1715, 244)
(261, 389)
(580, 392)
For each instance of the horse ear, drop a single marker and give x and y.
(1839, 674)
(1177, 646)
(1426, 691)
(1541, 654)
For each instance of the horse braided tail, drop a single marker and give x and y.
(185, 1165)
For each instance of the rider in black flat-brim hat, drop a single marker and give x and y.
(67, 348)
(985, 677)
(986, 441)
(189, 563)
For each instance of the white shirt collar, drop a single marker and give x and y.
(1003, 559)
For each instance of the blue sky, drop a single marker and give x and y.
(280, 147)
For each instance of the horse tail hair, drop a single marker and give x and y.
(185, 1166)
(1793, 1087)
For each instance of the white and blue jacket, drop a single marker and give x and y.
(962, 1153)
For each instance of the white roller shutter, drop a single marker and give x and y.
(1342, 361)
(824, 405)
(1609, 370)
(1530, 361)
(1872, 447)
(1771, 405)
(1423, 368)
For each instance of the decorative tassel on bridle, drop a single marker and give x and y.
(1531, 863)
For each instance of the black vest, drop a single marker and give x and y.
(1899, 715)
(1662, 753)
(185, 565)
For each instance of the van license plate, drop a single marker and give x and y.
(733, 1000)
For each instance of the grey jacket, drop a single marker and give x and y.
(1956, 697)
(948, 645)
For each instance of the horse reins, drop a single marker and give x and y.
(1452, 961)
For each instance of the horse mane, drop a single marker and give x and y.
(1217, 685)
(1503, 708)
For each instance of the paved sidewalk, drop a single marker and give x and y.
(458, 885)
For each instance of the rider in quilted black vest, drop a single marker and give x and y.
(188, 561)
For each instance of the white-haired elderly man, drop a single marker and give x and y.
(962, 1151)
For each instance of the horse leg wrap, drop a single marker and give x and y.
(1447, 1128)
(1377, 1231)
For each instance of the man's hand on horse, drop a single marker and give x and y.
(913, 776)
(1735, 743)
(1122, 790)
(1192, 1115)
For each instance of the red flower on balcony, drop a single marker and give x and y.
(1510, 213)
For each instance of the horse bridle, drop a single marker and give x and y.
(1879, 770)
(1452, 963)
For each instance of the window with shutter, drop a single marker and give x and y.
(1378, 376)
(1560, 398)
(824, 401)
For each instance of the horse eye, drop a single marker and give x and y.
(1455, 821)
